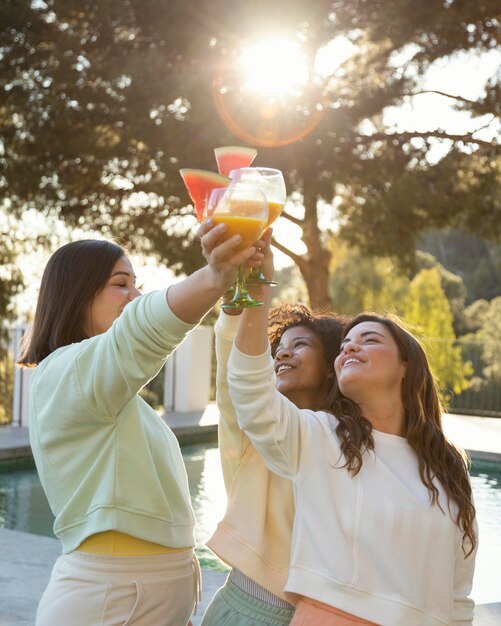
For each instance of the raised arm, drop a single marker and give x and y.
(270, 420)
(232, 440)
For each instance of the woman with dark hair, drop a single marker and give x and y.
(384, 530)
(110, 466)
(254, 536)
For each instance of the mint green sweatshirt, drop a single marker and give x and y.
(106, 459)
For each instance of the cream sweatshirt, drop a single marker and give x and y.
(371, 545)
(254, 535)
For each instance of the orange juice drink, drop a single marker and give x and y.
(274, 211)
(249, 228)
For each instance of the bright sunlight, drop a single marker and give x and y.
(277, 67)
(274, 67)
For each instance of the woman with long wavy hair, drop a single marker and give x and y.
(384, 530)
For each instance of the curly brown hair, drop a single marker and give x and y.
(327, 326)
(437, 456)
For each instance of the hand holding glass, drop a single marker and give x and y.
(272, 184)
(244, 210)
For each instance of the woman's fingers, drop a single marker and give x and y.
(223, 255)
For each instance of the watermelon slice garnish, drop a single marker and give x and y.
(233, 157)
(199, 184)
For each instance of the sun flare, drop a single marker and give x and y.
(278, 67)
(274, 94)
(274, 67)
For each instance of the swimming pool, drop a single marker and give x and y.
(23, 507)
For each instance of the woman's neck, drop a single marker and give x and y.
(387, 416)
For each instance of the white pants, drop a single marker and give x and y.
(97, 590)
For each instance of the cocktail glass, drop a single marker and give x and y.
(244, 210)
(272, 184)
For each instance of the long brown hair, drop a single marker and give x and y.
(437, 457)
(74, 275)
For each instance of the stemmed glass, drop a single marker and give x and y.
(271, 182)
(244, 210)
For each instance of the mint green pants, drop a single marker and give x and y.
(233, 607)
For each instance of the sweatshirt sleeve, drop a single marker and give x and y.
(463, 581)
(233, 442)
(114, 366)
(272, 422)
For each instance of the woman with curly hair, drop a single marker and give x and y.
(255, 534)
(384, 530)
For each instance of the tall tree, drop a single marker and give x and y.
(104, 101)
(427, 309)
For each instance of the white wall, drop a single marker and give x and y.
(188, 372)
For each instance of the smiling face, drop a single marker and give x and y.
(369, 364)
(109, 303)
(303, 373)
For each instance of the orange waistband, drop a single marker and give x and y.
(115, 543)
(334, 611)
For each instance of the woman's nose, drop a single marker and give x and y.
(282, 353)
(350, 346)
(134, 293)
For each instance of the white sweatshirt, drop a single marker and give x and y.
(371, 545)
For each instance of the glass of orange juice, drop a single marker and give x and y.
(244, 210)
(272, 184)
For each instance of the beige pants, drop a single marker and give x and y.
(95, 590)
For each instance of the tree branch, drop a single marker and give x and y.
(442, 93)
(295, 257)
(294, 220)
(436, 134)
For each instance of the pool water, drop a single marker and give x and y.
(23, 507)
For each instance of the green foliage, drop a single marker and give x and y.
(290, 286)
(10, 280)
(476, 260)
(452, 284)
(490, 334)
(362, 284)
(116, 96)
(484, 391)
(427, 309)
(474, 315)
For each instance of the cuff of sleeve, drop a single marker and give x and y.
(244, 362)
(162, 314)
(227, 325)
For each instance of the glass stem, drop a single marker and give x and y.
(240, 287)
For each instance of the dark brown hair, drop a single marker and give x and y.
(328, 327)
(437, 457)
(74, 275)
